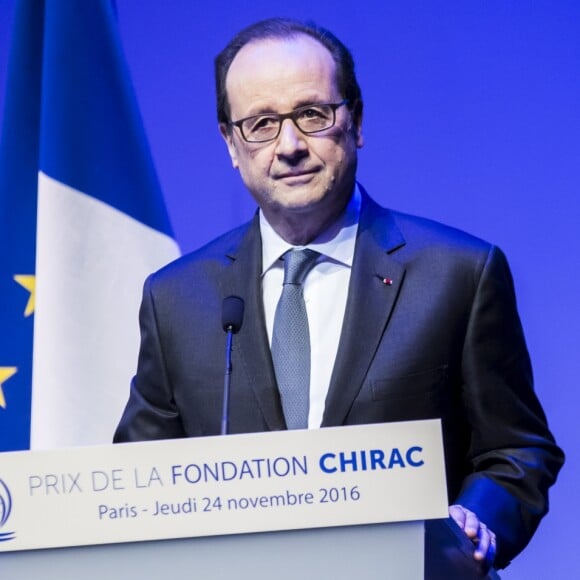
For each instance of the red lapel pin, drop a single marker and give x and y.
(385, 281)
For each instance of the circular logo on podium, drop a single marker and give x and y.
(5, 510)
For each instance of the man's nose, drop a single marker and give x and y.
(291, 142)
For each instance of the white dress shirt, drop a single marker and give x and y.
(325, 294)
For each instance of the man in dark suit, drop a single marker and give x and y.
(408, 319)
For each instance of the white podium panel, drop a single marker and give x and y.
(213, 486)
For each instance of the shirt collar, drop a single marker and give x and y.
(335, 243)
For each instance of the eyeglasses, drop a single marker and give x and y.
(309, 119)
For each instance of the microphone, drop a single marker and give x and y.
(232, 313)
(232, 316)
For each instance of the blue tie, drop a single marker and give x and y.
(291, 340)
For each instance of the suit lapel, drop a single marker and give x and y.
(375, 283)
(243, 278)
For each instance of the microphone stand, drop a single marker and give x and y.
(227, 380)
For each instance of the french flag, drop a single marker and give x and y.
(82, 223)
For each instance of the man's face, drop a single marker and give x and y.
(295, 175)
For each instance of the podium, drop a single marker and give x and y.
(364, 502)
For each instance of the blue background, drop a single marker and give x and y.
(472, 117)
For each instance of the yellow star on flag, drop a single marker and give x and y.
(29, 283)
(5, 374)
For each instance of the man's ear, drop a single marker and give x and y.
(228, 135)
(358, 119)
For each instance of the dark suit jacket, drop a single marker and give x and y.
(442, 341)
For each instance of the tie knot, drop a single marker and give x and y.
(297, 264)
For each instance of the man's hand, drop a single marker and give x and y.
(477, 532)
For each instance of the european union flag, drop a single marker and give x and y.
(82, 222)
